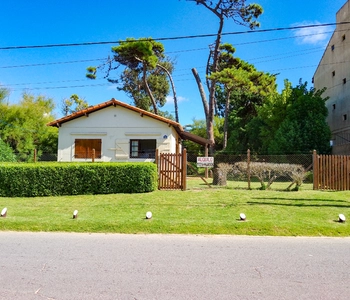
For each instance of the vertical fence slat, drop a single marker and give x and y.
(315, 170)
(331, 172)
(248, 168)
(184, 170)
(172, 171)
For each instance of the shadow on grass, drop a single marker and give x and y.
(300, 199)
(301, 204)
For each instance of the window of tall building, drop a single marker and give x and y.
(333, 73)
(332, 47)
(343, 37)
(333, 106)
(345, 117)
(344, 80)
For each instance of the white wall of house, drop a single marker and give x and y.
(115, 126)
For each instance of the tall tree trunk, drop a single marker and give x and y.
(227, 104)
(148, 90)
(202, 93)
(214, 68)
(174, 92)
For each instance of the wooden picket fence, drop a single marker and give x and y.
(331, 172)
(172, 170)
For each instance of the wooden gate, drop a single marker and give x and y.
(172, 170)
(331, 172)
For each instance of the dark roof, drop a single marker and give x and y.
(179, 129)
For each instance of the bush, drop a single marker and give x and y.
(268, 172)
(56, 179)
(6, 153)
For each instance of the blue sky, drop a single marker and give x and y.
(59, 72)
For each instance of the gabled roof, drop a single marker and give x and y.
(84, 112)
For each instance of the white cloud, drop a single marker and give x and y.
(112, 87)
(311, 35)
(170, 99)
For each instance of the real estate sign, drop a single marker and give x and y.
(205, 162)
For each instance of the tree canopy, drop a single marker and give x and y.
(242, 14)
(240, 88)
(304, 127)
(73, 104)
(145, 75)
(23, 126)
(3, 94)
(290, 122)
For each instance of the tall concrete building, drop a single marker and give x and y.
(333, 72)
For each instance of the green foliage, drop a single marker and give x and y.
(141, 60)
(135, 53)
(73, 104)
(6, 153)
(198, 127)
(242, 14)
(270, 116)
(23, 126)
(237, 10)
(3, 94)
(91, 72)
(240, 91)
(304, 128)
(54, 179)
(290, 122)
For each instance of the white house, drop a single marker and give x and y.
(118, 132)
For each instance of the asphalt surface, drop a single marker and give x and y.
(114, 266)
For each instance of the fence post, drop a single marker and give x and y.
(315, 170)
(156, 160)
(93, 155)
(35, 155)
(184, 169)
(248, 168)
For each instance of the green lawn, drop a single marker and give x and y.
(199, 210)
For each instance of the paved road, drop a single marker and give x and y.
(113, 266)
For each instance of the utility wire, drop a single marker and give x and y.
(52, 63)
(173, 38)
(172, 52)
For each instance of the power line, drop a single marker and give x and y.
(52, 63)
(63, 87)
(171, 52)
(46, 82)
(173, 38)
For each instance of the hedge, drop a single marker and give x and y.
(56, 179)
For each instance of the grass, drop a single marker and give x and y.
(199, 210)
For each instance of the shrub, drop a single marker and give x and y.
(55, 179)
(268, 172)
(6, 153)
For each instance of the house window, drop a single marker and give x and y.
(345, 117)
(83, 148)
(143, 148)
